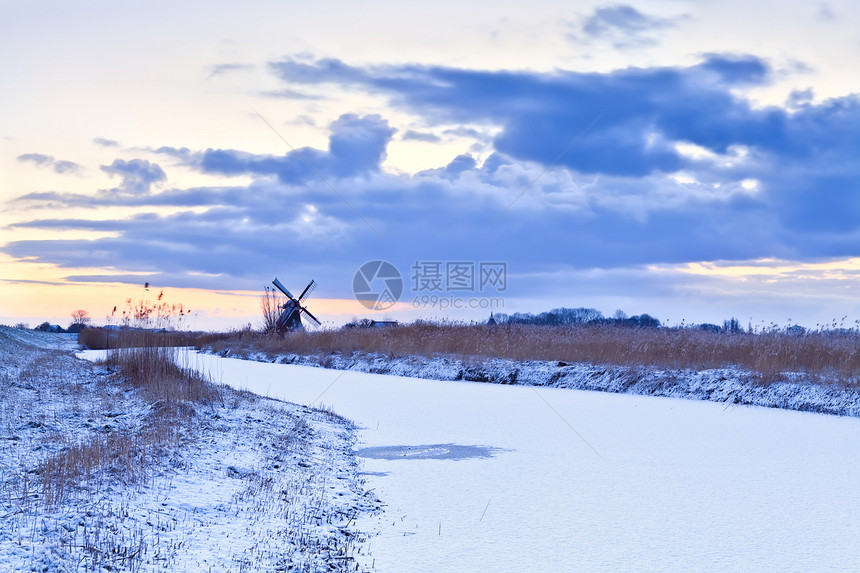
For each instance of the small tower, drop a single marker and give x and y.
(492, 320)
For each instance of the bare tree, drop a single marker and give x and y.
(81, 317)
(271, 307)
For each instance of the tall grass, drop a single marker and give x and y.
(153, 370)
(832, 355)
(172, 393)
(104, 339)
(81, 463)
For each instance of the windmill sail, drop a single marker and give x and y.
(308, 290)
(312, 317)
(283, 289)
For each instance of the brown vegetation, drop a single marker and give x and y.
(153, 369)
(104, 338)
(832, 355)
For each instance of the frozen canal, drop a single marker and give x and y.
(481, 477)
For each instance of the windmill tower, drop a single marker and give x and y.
(291, 317)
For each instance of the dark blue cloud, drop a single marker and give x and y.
(825, 12)
(105, 142)
(470, 132)
(230, 67)
(608, 19)
(412, 135)
(319, 71)
(182, 153)
(624, 26)
(493, 162)
(357, 146)
(737, 69)
(137, 178)
(293, 94)
(460, 164)
(37, 158)
(138, 175)
(62, 166)
(59, 166)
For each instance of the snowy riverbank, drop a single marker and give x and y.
(728, 385)
(246, 483)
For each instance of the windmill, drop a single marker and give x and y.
(291, 317)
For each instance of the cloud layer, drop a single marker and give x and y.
(669, 121)
(634, 167)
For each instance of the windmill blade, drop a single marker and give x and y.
(308, 290)
(312, 317)
(283, 289)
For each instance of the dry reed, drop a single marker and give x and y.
(105, 339)
(153, 369)
(833, 356)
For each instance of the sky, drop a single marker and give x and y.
(693, 160)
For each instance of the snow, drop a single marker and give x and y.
(250, 483)
(526, 478)
(473, 476)
(797, 391)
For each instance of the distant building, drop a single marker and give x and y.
(382, 323)
(492, 320)
(48, 327)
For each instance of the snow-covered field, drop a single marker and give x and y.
(89, 483)
(488, 477)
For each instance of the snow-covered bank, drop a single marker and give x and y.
(249, 483)
(728, 385)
